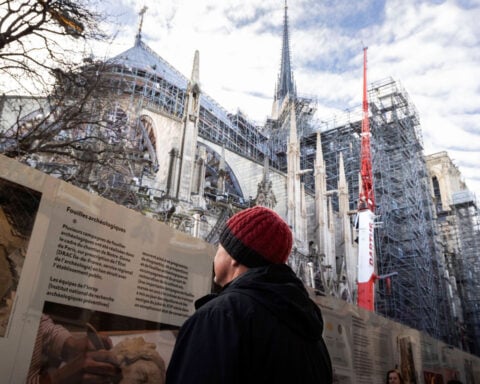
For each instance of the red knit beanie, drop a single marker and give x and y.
(257, 236)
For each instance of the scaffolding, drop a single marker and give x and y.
(406, 239)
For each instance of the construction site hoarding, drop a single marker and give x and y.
(75, 264)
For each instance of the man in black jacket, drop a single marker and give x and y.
(262, 327)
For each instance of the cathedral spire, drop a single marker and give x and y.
(285, 85)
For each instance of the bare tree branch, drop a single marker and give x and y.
(35, 34)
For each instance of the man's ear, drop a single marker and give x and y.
(234, 263)
(238, 267)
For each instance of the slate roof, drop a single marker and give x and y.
(142, 57)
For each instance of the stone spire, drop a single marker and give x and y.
(293, 170)
(265, 195)
(285, 85)
(190, 133)
(294, 190)
(349, 262)
(321, 202)
(342, 185)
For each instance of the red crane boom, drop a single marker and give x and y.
(367, 199)
(366, 207)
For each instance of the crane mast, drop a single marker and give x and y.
(366, 209)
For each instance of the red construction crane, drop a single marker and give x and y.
(366, 208)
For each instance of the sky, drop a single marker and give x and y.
(432, 48)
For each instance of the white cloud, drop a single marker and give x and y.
(431, 48)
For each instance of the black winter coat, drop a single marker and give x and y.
(261, 328)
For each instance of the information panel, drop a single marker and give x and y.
(77, 267)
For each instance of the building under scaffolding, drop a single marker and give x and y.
(406, 233)
(230, 157)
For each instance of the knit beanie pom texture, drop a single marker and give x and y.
(257, 236)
